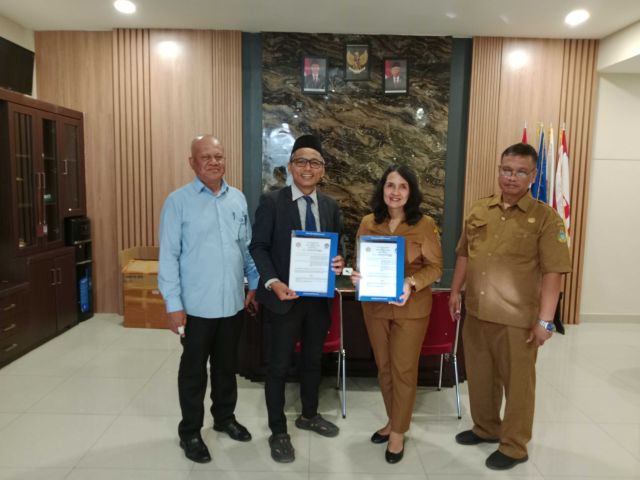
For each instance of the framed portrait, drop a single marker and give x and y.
(396, 76)
(357, 62)
(314, 75)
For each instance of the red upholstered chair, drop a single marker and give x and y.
(442, 338)
(334, 343)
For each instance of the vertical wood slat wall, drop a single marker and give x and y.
(227, 99)
(133, 153)
(141, 112)
(567, 70)
(484, 104)
(579, 86)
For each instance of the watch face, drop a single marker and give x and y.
(548, 326)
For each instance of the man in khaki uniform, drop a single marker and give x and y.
(512, 254)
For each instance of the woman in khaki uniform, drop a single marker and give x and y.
(396, 329)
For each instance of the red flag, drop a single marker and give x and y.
(563, 185)
(524, 134)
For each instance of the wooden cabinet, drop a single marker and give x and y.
(41, 183)
(14, 321)
(52, 279)
(72, 171)
(41, 173)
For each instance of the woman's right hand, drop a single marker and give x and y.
(355, 278)
(455, 305)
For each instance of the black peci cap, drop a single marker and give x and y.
(307, 141)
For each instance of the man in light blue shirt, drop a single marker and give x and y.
(204, 257)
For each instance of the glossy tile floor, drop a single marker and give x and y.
(100, 402)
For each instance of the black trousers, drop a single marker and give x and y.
(308, 320)
(213, 340)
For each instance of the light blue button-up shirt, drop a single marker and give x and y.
(204, 251)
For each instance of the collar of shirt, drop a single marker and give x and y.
(523, 204)
(198, 186)
(296, 194)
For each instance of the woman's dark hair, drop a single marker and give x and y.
(412, 211)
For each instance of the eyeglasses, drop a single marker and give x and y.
(211, 158)
(507, 172)
(303, 162)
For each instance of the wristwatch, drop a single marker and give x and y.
(548, 326)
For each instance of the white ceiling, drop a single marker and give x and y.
(511, 18)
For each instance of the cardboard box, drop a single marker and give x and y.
(143, 304)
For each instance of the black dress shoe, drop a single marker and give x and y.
(468, 437)
(379, 438)
(393, 457)
(499, 461)
(195, 449)
(234, 430)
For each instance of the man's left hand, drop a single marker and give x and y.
(337, 264)
(250, 302)
(538, 335)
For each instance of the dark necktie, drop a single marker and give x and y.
(309, 219)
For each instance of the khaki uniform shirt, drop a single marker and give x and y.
(422, 259)
(508, 252)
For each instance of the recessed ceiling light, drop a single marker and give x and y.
(125, 6)
(576, 17)
(451, 15)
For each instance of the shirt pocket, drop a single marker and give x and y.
(476, 234)
(240, 226)
(524, 242)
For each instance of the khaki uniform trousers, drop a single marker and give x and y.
(497, 359)
(396, 346)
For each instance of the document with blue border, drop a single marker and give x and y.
(310, 273)
(381, 264)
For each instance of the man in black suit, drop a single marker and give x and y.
(300, 206)
(397, 81)
(315, 80)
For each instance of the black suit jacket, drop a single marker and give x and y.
(389, 85)
(276, 216)
(310, 83)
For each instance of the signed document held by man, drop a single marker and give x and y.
(310, 271)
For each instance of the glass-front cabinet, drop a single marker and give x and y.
(72, 168)
(27, 224)
(50, 180)
(43, 168)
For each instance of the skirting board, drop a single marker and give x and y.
(609, 318)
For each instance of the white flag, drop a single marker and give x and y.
(563, 186)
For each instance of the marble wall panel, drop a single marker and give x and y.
(362, 129)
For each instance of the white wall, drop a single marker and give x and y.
(16, 33)
(611, 280)
(19, 35)
(620, 52)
